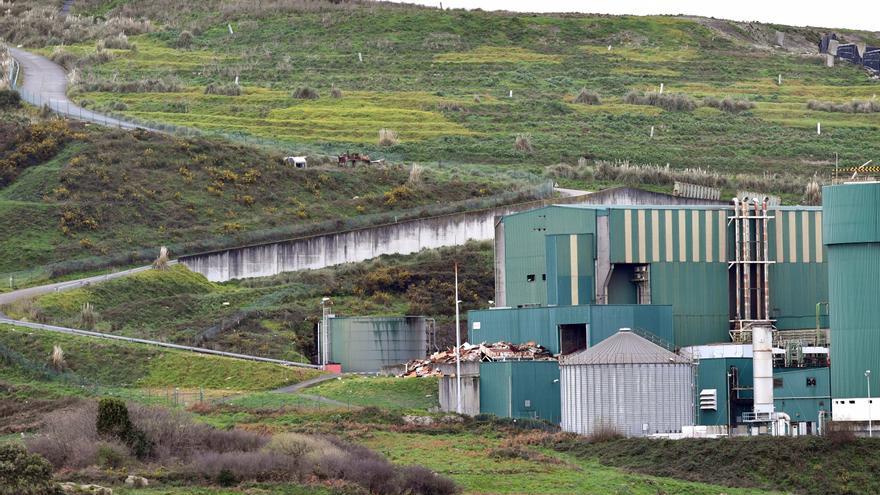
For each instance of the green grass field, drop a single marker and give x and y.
(120, 364)
(442, 80)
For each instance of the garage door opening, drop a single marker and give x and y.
(572, 337)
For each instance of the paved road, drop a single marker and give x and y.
(570, 192)
(12, 296)
(45, 83)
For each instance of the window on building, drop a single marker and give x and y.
(777, 383)
(530, 277)
(543, 276)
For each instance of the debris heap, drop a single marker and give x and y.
(499, 351)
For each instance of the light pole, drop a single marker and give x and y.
(323, 347)
(457, 348)
(870, 423)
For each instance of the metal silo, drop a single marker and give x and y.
(629, 384)
(851, 231)
(366, 344)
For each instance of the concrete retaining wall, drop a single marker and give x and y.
(406, 237)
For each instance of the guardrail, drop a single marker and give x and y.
(200, 350)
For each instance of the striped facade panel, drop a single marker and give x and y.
(795, 236)
(668, 235)
(570, 269)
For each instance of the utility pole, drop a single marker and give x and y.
(457, 348)
(870, 422)
(324, 334)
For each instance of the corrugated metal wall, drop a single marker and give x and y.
(366, 344)
(852, 234)
(712, 374)
(688, 249)
(520, 389)
(525, 248)
(571, 266)
(635, 399)
(800, 401)
(540, 325)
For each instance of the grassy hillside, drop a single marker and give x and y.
(119, 364)
(272, 316)
(76, 198)
(442, 81)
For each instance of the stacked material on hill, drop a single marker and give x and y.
(475, 353)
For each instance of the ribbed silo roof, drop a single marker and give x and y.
(624, 347)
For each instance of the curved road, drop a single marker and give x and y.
(45, 83)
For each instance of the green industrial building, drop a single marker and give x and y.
(684, 276)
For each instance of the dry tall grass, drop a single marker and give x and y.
(523, 142)
(387, 137)
(588, 97)
(335, 92)
(728, 104)
(813, 192)
(161, 262)
(415, 176)
(305, 93)
(88, 316)
(854, 106)
(673, 102)
(57, 359)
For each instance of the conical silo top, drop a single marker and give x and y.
(624, 347)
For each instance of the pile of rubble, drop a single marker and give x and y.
(499, 351)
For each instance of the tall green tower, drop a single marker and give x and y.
(851, 232)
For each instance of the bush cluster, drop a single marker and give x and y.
(673, 102)
(305, 93)
(9, 98)
(588, 97)
(22, 473)
(223, 89)
(728, 104)
(854, 106)
(109, 434)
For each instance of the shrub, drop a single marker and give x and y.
(68, 438)
(305, 93)
(231, 467)
(604, 433)
(673, 102)
(113, 422)
(728, 104)
(563, 170)
(22, 473)
(587, 97)
(9, 98)
(417, 479)
(147, 85)
(223, 89)
(387, 137)
(335, 92)
(118, 42)
(523, 142)
(184, 39)
(63, 58)
(56, 360)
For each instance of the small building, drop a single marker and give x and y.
(628, 384)
(366, 344)
(520, 389)
(470, 388)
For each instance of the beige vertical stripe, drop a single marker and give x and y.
(682, 237)
(643, 255)
(655, 236)
(819, 252)
(722, 236)
(780, 249)
(792, 237)
(667, 224)
(573, 247)
(805, 234)
(695, 240)
(627, 236)
(710, 248)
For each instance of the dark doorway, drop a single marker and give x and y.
(572, 337)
